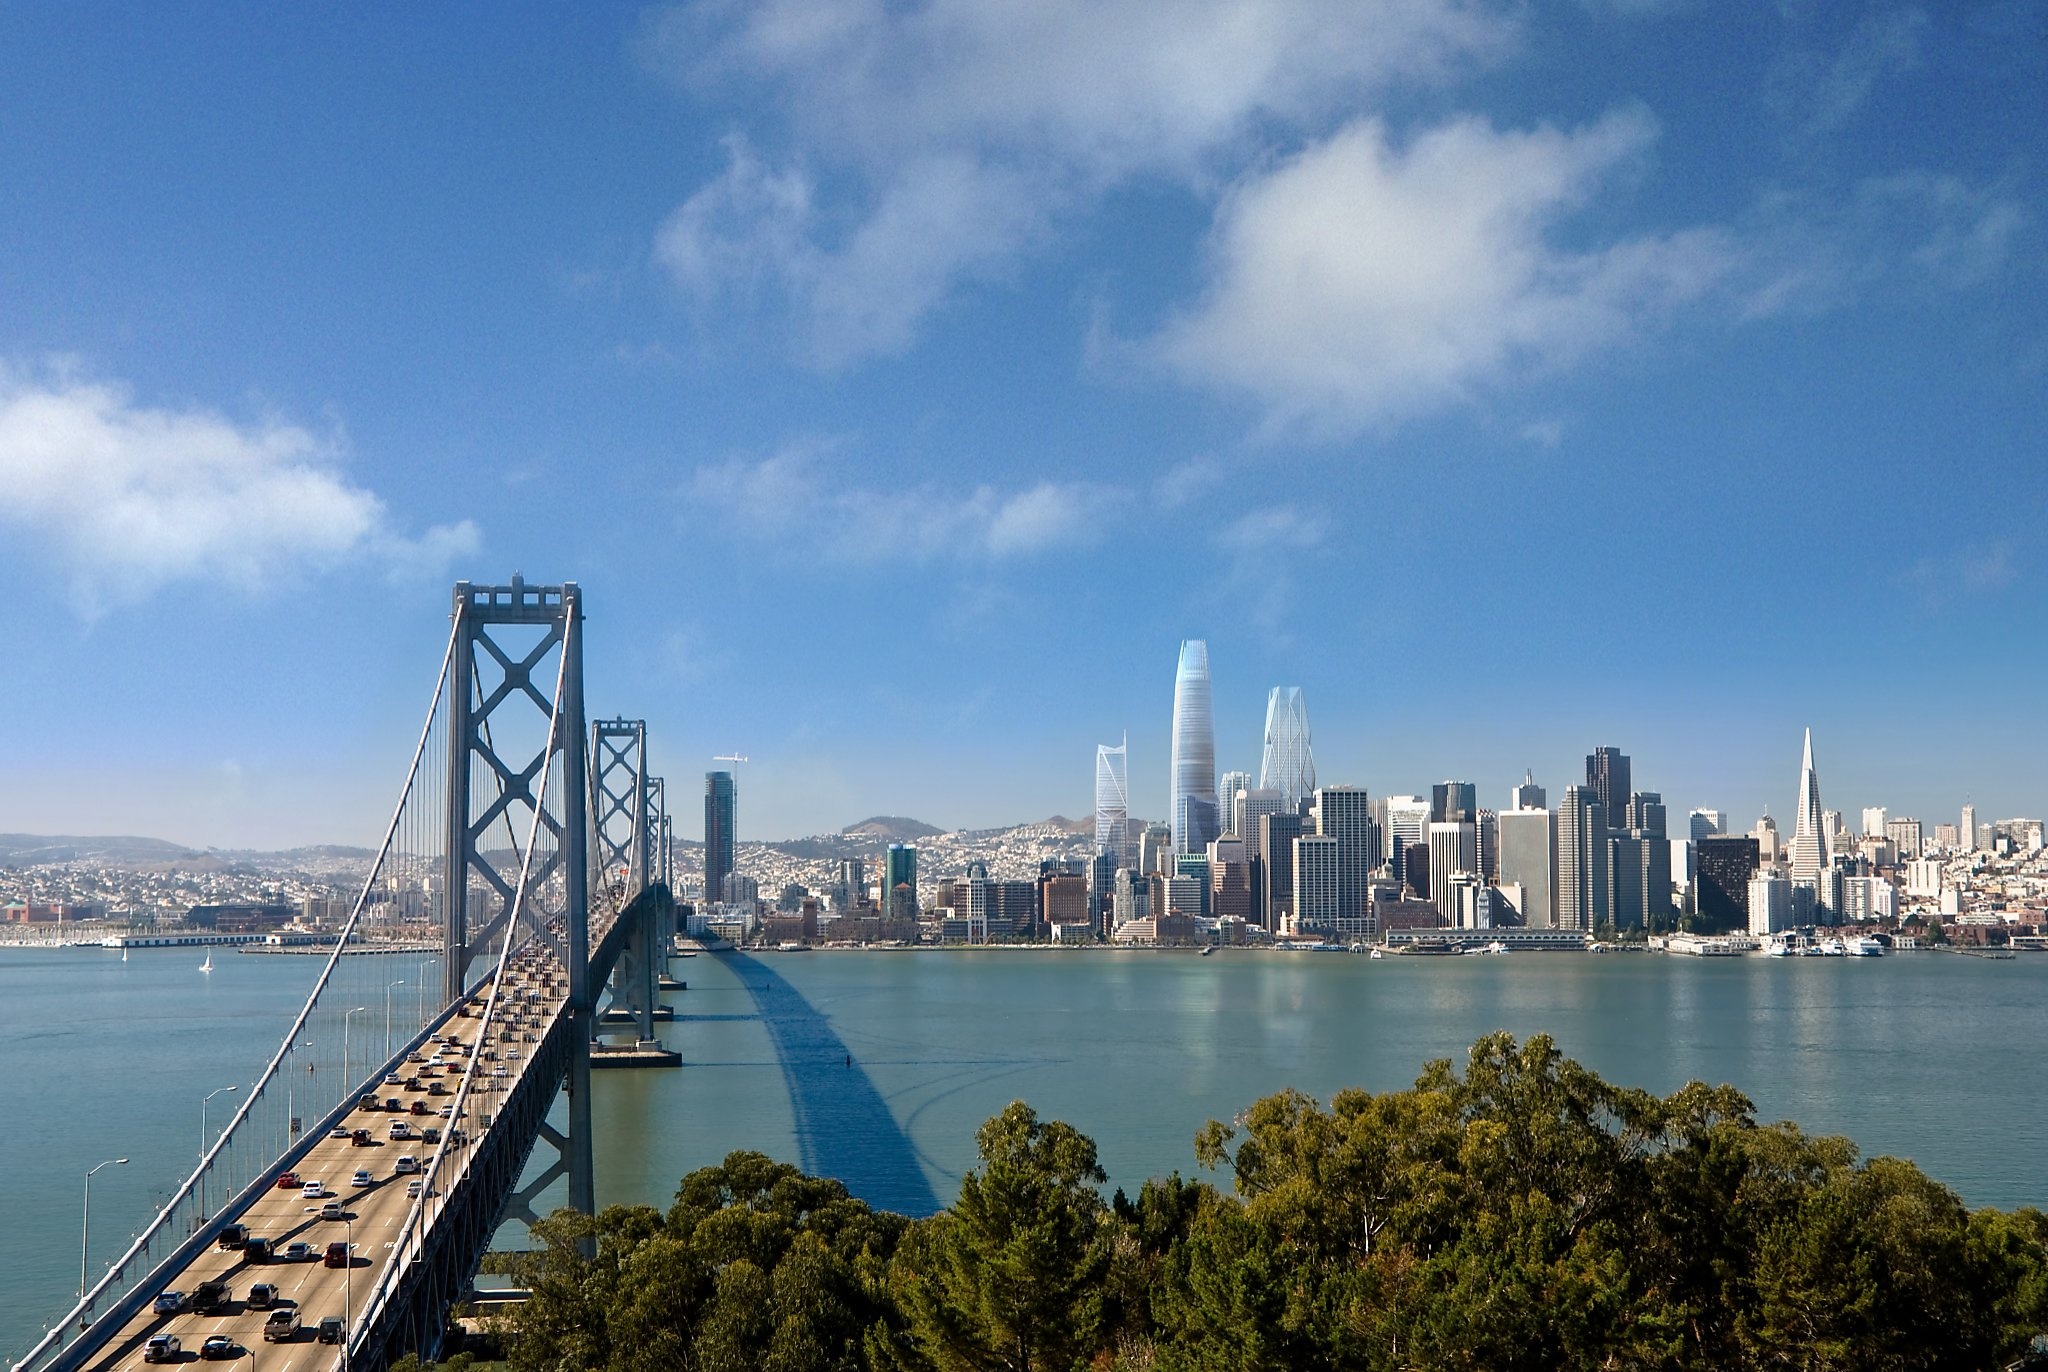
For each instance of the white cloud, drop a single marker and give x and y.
(1362, 281)
(954, 133)
(130, 498)
(1263, 548)
(802, 496)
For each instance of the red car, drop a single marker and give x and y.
(288, 1181)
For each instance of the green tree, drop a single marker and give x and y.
(1011, 1277)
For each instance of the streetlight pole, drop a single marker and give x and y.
(85, 1220)
(348, 1309)
(344, 1043)
(387, 1017)
(291, 1131)
(202, 1148)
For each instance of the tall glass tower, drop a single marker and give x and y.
(1288, 765)
(1191, 804)
(1113, 802)
(721, 823)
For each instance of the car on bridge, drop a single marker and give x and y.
(333, 1211)
(219, 1348)
(210, 1297)
(287, 1180)
(361, 1178)
(330, 1329)
(313, 1190)
(407, 1165)
(163, 1348)
(298, 1252)
(261, 1296)
(168, 1303)
(337, 1254)
(256, 1250)
(281, 1327)
(233, 1237)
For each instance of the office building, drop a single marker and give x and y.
(1947, 836)
(1102, 870)
(1230, 879)
(1527, 850)
(1155, 848)
(1288, 764)
(1489, 846)
(1645, 814)
(1639, 880)
(1191, 798)
(1581, 896)
(1969, 827)
(1607, 775)
(1316, 877)
(1227, 789)
(1905, 836)
(1769, 905)
(1868, 898)
(1453, 802)
(1407, 822)
(1809, 852)
(849, 888)
(1453, 862)
(1344, 813)
(1273, 867)
(721, 826)
(899, 881)
(1528, 796)
(1113, 801)
(1707, 824)
(1196, 867)
(1722, 867)
(1767, 842)
(1133, 898)
(1874, 817)
(1252, 806)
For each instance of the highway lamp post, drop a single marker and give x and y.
(344, 1043)
(291, 1117)
(202, 1147)
(387, 1016)
(348, 1311)
(85, 1220)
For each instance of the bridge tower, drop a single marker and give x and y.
(503, 636)
(620, 790)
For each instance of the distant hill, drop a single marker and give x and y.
(892, 827)
(21, 850)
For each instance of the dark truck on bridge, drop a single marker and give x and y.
(210, 1297)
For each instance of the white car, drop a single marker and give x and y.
(361, 1178)
(414, 1187)
(407, 1164)
(313, 1190)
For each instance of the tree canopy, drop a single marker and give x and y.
(1520, 1213)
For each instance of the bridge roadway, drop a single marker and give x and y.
(536, 991)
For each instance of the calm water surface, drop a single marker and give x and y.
(1928, 1056)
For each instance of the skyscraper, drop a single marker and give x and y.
(1528, 796)
(1809, 852)
(1707, 823)
(1453, 853)
(1407, 818)
(1969, 834)
(1227, 787)
(1273, 866)
(1527, 851)
(1453, 802)
(1191, 801)
(1646, 814)
(1607, 775)
(721, 837)
(1113, 802)
(1252, 806)
(1874, 817)
(1288, 765)
(1581, 898)
(899, 881)
(1315, 884)
(1723, 868)
(1344, 813)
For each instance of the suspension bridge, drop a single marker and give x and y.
(358, 1182)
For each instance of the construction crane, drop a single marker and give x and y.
(732, 758)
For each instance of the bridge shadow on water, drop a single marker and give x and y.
(844, 1128)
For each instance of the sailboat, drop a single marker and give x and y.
(124, 952)
(207, 966)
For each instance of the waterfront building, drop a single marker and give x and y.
(1196, 866)
(1581, 896)
(1273, 867)
(1770, 905)
(1905, 836)
(1407, 819)
(721, 830)
(1809, 852)
(1868, 898)
(1707, 824)
(1191, 797)
(1453, 863)
(1228, 788)
(1527, 850)
(1288, 764)
(1187, 894)
(1607, 774)
(1344, 813)
(899, 881)
(1316, 877)
(1528, 796)
(1113, 801)
(1723, 866)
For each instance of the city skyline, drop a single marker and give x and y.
(841, 371)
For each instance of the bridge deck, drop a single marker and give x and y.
(535, 995)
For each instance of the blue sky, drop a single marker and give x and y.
(903, 381)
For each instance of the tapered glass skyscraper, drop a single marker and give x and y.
(721, 838)
(1113, 802)
(1288, 765)
(1809, 843)
(1191, 803)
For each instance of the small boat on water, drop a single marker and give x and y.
(1865, 947)
(1834, 948)
(1598, 948)
(1376, 955)
(1207, 949)
(206, 966)
(1496, 948)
